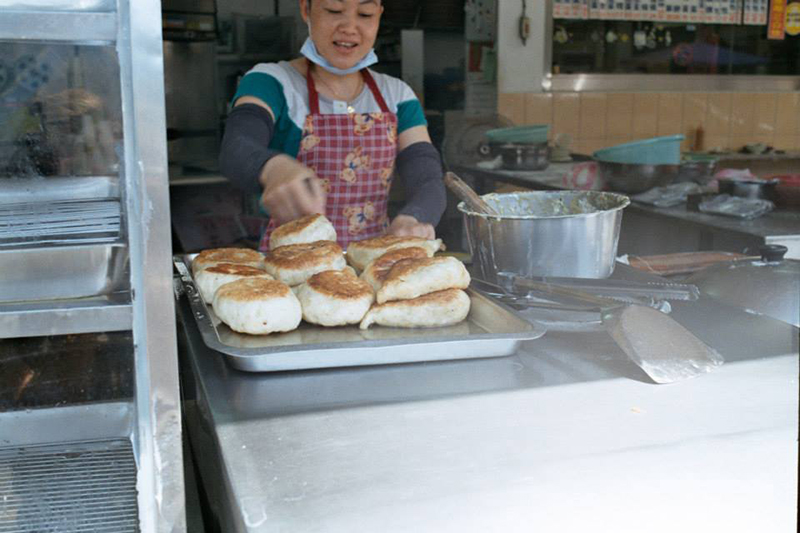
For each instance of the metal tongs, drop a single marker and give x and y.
(651, 294)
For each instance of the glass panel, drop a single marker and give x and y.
(101, 6)
(60, 109)
(43, 372)
(622, 47)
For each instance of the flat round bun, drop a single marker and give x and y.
(335, 298)
(411, 278)
(311, 228)
(442, 308)
(362, 253)
(377, 270)
(295, 263)
(208, 280)
(257, 306)
(241, 256)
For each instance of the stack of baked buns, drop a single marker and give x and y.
(305, 276)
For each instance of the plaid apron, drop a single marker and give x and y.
(353, 155)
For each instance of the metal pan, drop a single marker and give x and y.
(491, 330)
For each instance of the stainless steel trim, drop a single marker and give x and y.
(667, 82)
(491, 330)
(62, 317)
(15, 191)
(547, 60)
(59, 5)
(59, 26)
(157, 439)
(63, 424)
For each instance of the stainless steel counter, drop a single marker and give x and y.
(565, 435)
(713, 232)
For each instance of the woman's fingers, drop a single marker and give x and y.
(313, 199)
(294, 199)
(408, 226)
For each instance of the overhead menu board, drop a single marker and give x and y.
(571, 9)
(688, 11)
(755, 12)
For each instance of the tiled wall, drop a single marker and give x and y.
(597, 120)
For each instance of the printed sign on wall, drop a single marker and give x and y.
(793, 19)
(777, 20)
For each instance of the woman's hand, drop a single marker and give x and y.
(291, 190)
(408, 226)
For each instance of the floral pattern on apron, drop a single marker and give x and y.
(353, 154)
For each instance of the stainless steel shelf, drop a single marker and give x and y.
(62, 317)
(80, 27)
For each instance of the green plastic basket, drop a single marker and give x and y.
(534, 134)
(655, 151)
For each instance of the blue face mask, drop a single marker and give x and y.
(309, 50)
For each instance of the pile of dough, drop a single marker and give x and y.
(362, 253)
(295, 263)
(377, 270)
(311, 228)
(214, 256)
(335, 298)
(442, 308)
(411, 278)
(257, 306)
(208, 280)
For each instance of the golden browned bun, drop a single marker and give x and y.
(208, 280)
(257, 306)
(249, 290)
(213, 256)
(335, 298)
(376, 271)
(310, 228)
(362, 253)
(441, 308)
(411, 278)
(340, 284)
(236, 269)
(295, 263)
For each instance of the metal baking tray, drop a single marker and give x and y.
(60, 272)
(491, 329)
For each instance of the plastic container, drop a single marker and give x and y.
(655, 151)
(533, 134)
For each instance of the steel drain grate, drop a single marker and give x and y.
(69, 488)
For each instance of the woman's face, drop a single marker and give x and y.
(344, 31)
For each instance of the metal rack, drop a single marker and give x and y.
(136, 441)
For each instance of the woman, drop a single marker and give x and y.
(323, 134)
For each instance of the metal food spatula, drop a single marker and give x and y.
(664, 349)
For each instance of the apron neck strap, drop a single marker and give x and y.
(313, 95)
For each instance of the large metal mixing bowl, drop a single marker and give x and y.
(634, 178)
(546, 233)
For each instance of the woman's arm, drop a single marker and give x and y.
(290, 189)
(420, 167)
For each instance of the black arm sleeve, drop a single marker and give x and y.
(420, 167)
(245, 146)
